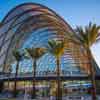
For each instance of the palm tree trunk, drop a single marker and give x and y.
(8, 82)
(15, 83)
(1, 86)
(59, 93)
(34, 73)
(92, 76)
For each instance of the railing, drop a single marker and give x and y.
(41, 75)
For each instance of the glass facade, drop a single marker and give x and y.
(33, 25)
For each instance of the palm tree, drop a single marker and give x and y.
(18, 57)
(35, 54)
(88, 36)
(56, 48)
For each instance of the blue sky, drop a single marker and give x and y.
(75, 12)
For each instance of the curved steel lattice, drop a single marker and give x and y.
(32, 24)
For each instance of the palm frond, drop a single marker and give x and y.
(36, 53)
(89, 35)
(98, 40)
(56, 47)
(17, 55)
(82, 35)
(26, 54)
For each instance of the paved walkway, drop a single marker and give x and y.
(53, 98)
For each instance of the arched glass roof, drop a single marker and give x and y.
(32, 24)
